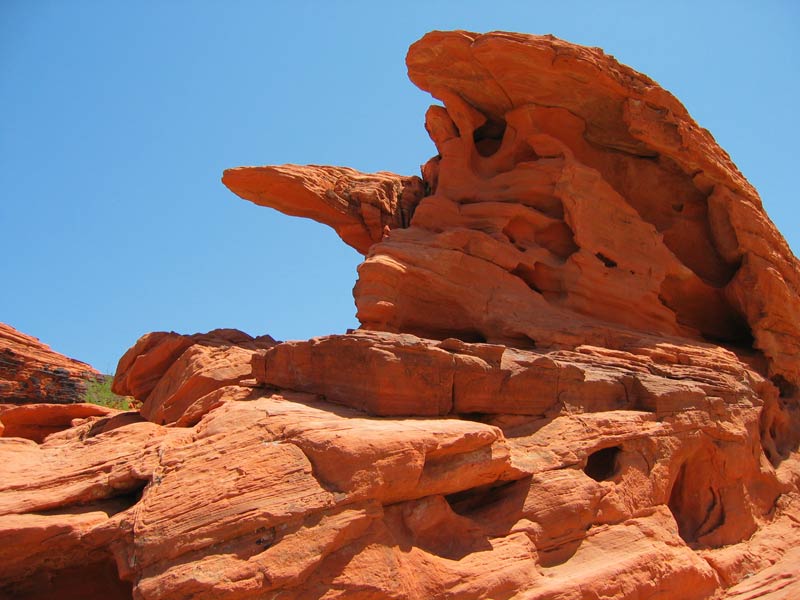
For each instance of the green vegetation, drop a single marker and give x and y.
(99, 392)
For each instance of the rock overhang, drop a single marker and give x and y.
(572, 199)
(582, 406)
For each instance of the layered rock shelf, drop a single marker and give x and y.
(576, 377)
(31, 372)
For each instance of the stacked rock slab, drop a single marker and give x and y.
(41, 391)
(32, 372)
(576, 377)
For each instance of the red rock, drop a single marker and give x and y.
(176, 376)
(37, 421)
(573, 196)
(359, 206)
(576, 377)
(398, 375)
(30, 372)
(406, 375)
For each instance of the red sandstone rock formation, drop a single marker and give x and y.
(577, 377)
(359, 206)
(31, 372)
(37, 421)
(179, 378)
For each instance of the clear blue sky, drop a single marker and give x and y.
(119, 117)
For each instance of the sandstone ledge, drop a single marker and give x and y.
(576, 377)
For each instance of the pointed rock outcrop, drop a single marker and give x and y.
(576, 377)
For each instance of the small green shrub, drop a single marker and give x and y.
(99, 392)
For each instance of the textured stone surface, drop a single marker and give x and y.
(361, 207)
(178, 377)
(576, 378)
(571, 197)
(284, 491)
(37, 421)
(30, 372)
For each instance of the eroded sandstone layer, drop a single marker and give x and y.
(32, 372)
(576, 378)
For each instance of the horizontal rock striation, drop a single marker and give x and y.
(30, 372)
(431, 469)
(574, 200)
(576, 377)
(178, 378)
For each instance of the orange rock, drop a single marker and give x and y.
(401, 374)
(176, 376)
(398, 375)
(572, 197)
(31, 372)
(359, 206)
(577, 378)
(37, 421)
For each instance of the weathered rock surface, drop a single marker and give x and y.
(37, 421)
(178, 378)
(577, 378)
(573, 197)
(30, 372)
(359, 206)
(629, 476)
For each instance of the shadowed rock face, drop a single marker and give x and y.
(30, 372)
(573, 196)
(572, 200)
(576, 377)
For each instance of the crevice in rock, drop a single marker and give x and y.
(714, 517)
(786, 388)
(560, 550)
(559, 239)
(120, 499)
(475, 417)
(695, 501)
(517, 426)
(602, 465)
(706, 310)
(323, 482)
(605, 260)
(666, 196)
(97, 578)
(436, 466)
(132, 495)
(528, 275)
(111, 505)
(266, 537)
(489, 137)
(542, 279)
(429, 523)
(467, 502)
(469, 336)
(106, 424)
(738, 337)
(779, 426)
(527, 231)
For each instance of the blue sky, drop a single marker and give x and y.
(119, 118)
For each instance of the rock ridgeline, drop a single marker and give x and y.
(41, 391)
(30, 372)
(576, 377)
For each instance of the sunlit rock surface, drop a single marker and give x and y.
(576, 378)
(31, 371)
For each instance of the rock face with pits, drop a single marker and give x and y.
(576, 377)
